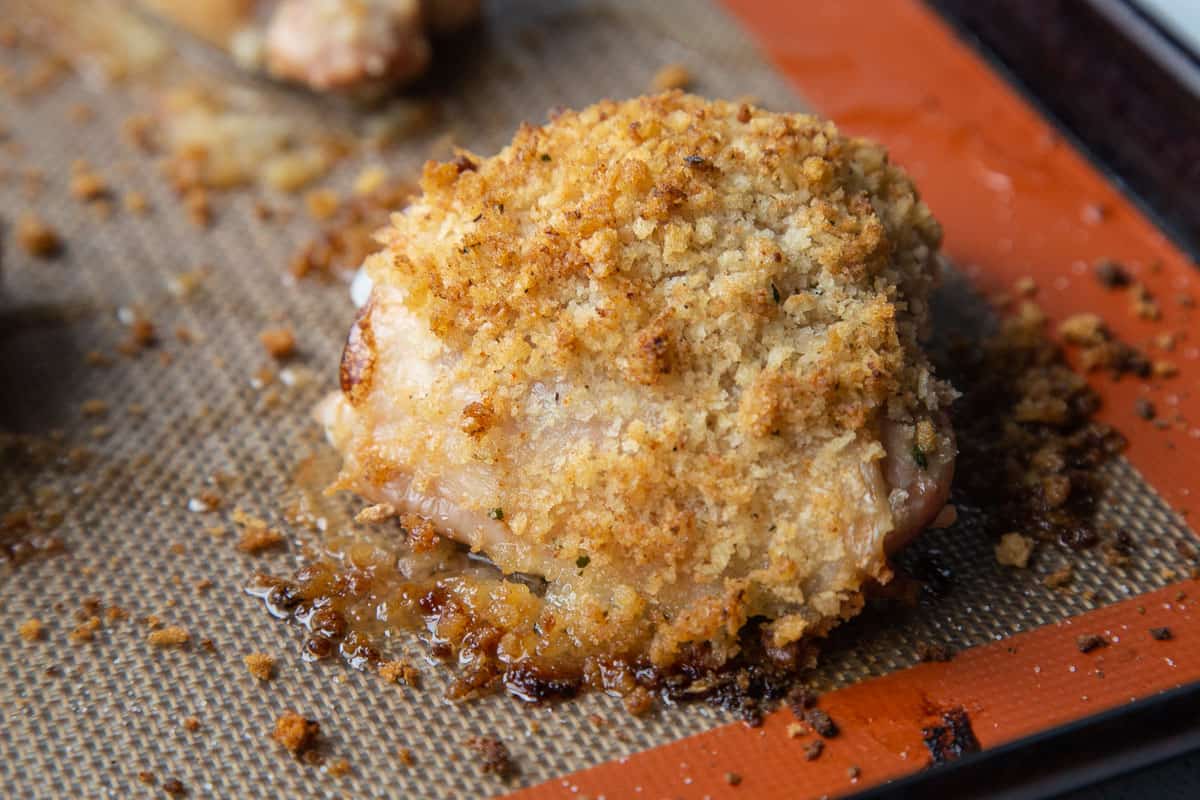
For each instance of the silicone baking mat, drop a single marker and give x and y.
(87, 719)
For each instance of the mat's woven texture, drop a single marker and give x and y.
(115, 706)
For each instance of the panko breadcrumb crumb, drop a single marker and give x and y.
(31, 630)
(261, 665)
(1014, 550)
(170, 636)
(280, 343)
(36, 237)
(295, 732)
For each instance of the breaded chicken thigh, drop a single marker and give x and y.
(665, 354)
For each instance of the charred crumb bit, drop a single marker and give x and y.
(174, 787)
(191, 724)
(406, 757)
(799, 699)
(31, 630)
(147, 777)
(376, 513)
(496, 758)
(1144, 409)
(36, 237)
(1142, 304)
(733, 779)
(280, 343)
(208, 646)
(1161, 634)
(952, 739)
(338, 767)
(931, 653)
(1014, 550)
(813, 750)
(261, 665)
(401, 672)
(671, 76)
(821, 722)
(1087, 642)
(295, 732)
(853, 773)
(170, 636)
(1111, 274)
(1059, 578)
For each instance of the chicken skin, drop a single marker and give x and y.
(665, 354)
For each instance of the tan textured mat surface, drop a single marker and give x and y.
(84, 719)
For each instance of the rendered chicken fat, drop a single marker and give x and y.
(663, 353)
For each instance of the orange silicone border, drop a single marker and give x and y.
(1014, 199)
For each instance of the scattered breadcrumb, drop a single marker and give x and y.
(170, 636)
(261, 665)
(930, 653)
(376, 513)
(84, 631)
(400, 672)
(94, 408)
(733, 779)
(280, 343)
(202, 585)
(147, 777)
(813, 750)
(496, 758)
(338, 767)
(1088, 642)
(1014, 550)
(322, 203)
(1144, 408)
(821, 722)
(295, 732)
(191, 724)
(1026, 287)
(136, 203)
(1083, 329)
(853, 772)
(256, 536)
(795, 730)
(36, 237)
(1143, 304)
(1059, 578)
(174, 787)
(672, 76)
(87, 186)
(406, 757)
(1161, 634)
(31, 630)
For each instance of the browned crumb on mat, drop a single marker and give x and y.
(322, 203)
(36, 237)
(821, 722)
(32, 629)
(953, 738)
(1112, 274)
(733, 779)
(94, 408)
(191, 724)
(931, 653)
(376, 513)
(853, 772)
(1087, 642)
(348, 236)
(496, 758)
(142, 335)
(1059, 578)
(202, 585)
(261, 665)
(174, 787)
(813, 750)
(256, 536)
(147, 777)
(638, 702)
(1013, 550)
(1161, 634)
(84, 631)
(406, 757)
(795, 730)
(671, 76)
(1083, 329)
(400, 672)
(295, 732)
(170, 636)
(280, 343)
(338, 767)
(1144, 409)
(136, 203)
(86, 185)
(1142, 304)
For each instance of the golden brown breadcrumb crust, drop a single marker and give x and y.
(668, 329)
